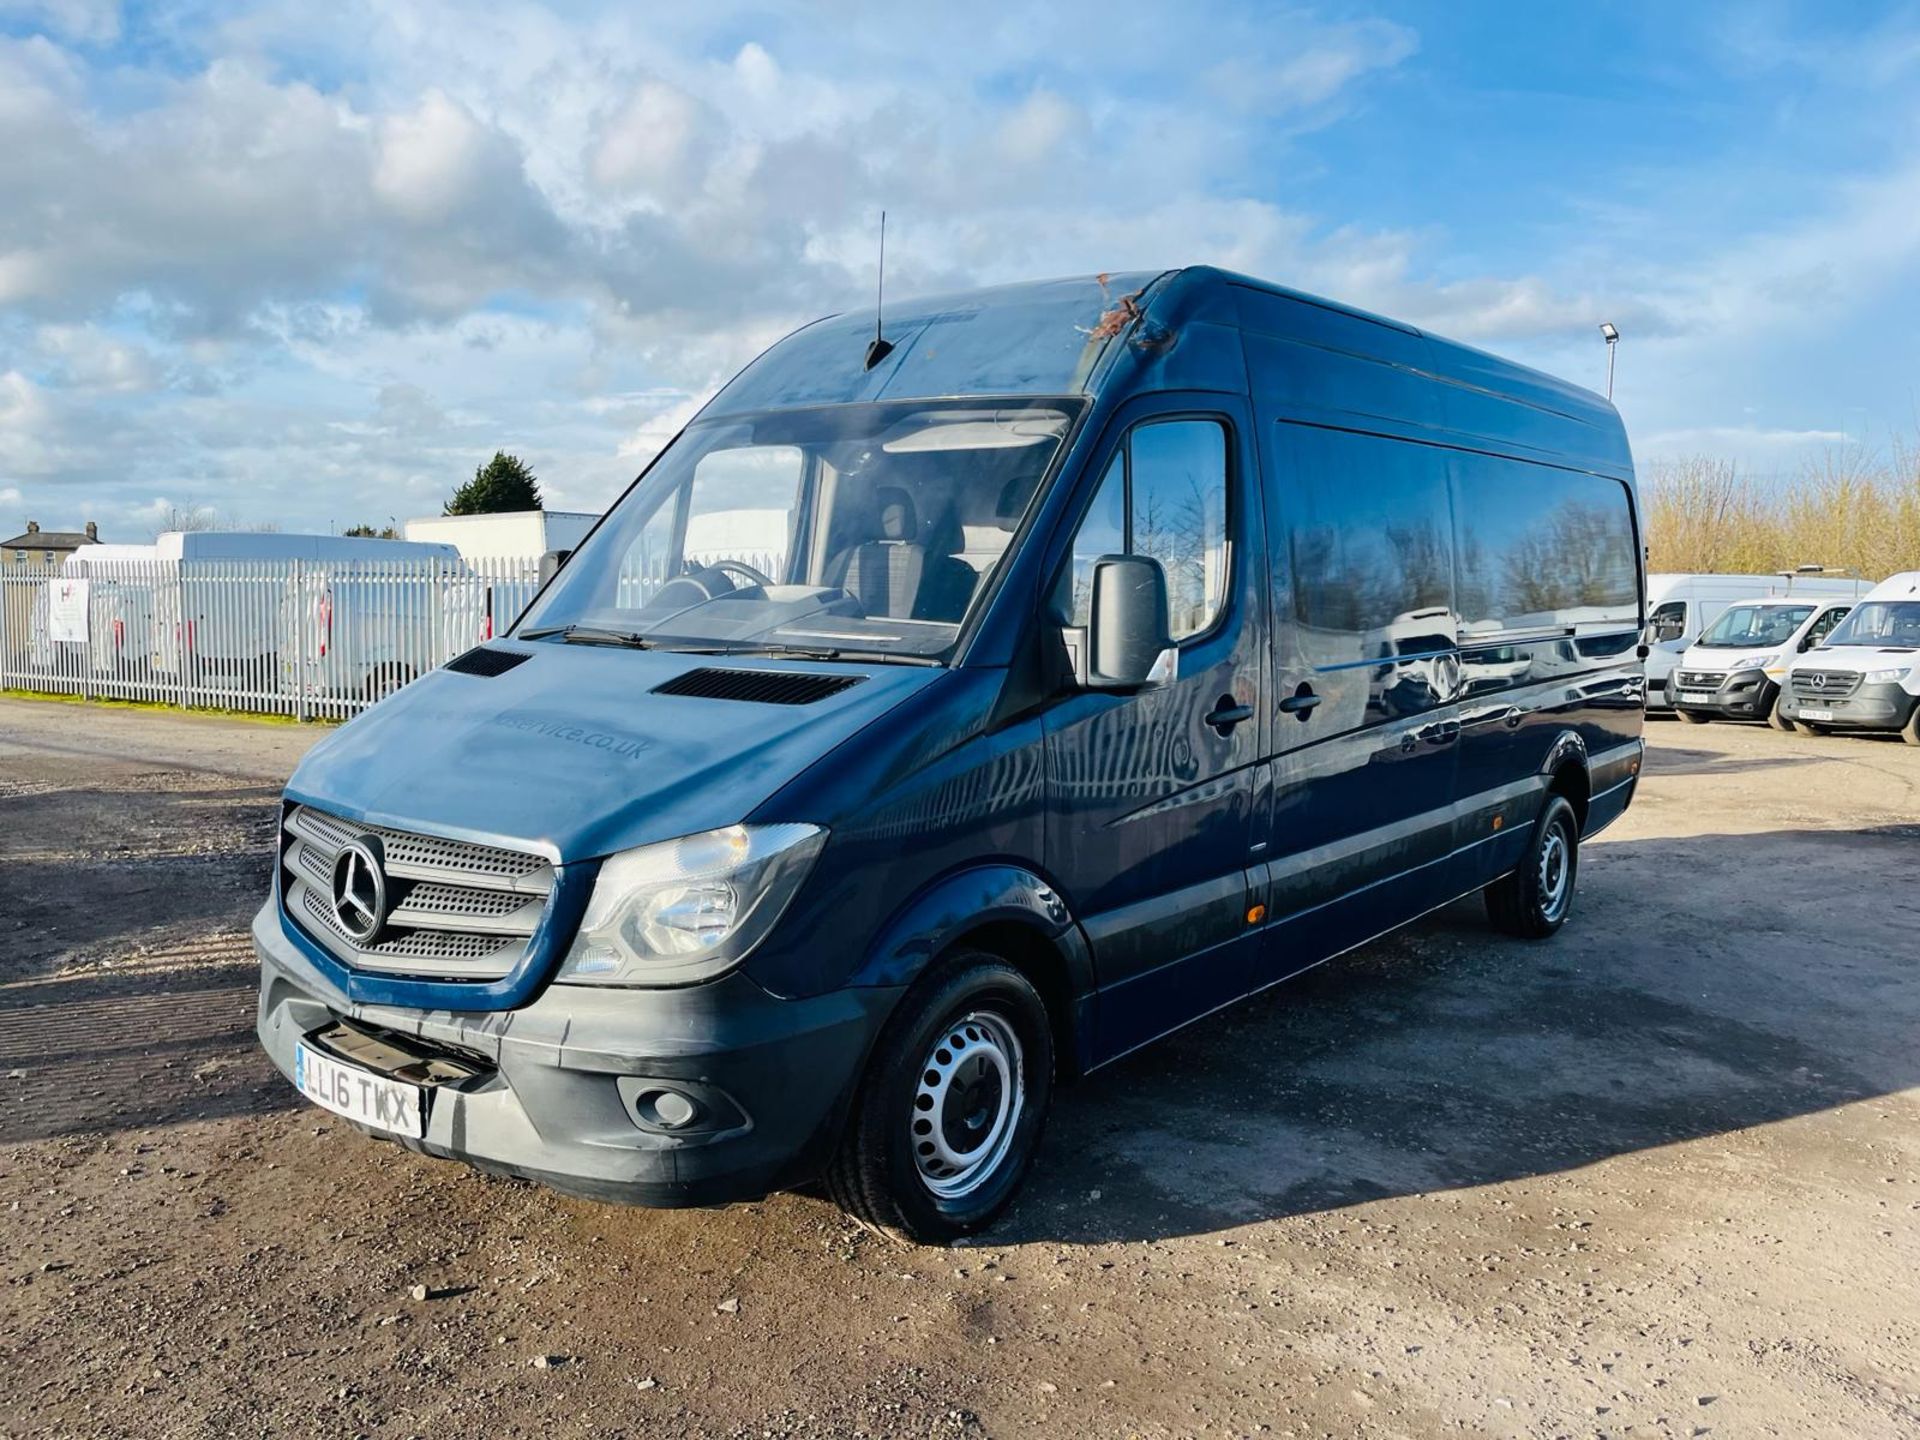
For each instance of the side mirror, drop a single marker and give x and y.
(1127, 630)
(551, 562)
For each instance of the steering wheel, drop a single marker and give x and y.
(740, 568)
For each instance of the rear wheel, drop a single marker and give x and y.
(1534, 901)
(1689, 717)
(950, 1112)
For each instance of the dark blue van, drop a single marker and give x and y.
(937, 720)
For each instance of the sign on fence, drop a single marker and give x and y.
(67, 611)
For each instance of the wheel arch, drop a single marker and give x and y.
(1007, 910)
(1569, 773)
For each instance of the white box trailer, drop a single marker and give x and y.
(503, 550)
(510, 534)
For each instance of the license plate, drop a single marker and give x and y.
(1806, 714)
(1697, 697)
(390, 1105)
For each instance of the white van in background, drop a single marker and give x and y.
(1735, 669)
(1680, 607)
(124, 583)
(1867, 674)
(225, 624)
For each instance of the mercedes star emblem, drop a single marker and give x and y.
(360, 891)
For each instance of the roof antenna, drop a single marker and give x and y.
(881, 346)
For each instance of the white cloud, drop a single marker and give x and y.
(321, 265)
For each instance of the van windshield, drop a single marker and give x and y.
(1889, 624)
(1741, 627)
(867, 531)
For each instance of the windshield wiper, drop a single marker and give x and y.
(591, 635)
(813, 652)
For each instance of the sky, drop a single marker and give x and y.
(309, 264)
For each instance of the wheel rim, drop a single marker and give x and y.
(1556, 872)
(967, 1104)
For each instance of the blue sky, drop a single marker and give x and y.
(309, 264)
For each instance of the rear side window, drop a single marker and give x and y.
(1371, 547)
(1541, 548)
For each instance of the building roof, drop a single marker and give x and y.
(48, 540)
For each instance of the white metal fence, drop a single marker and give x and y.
(314, 639)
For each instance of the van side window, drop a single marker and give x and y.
(1823, 627)
(1164, 495)
(1372, 547)
(1669, 621)
(1542, 548)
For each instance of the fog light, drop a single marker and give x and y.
(668, 1109)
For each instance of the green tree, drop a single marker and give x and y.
(503, 483)
(372, 532)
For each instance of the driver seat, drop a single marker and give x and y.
(891, 575)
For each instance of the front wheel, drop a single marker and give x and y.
(1689, 717)
(950, 1112)
(1534, 901)
(1910, 732)
(1775, 717)
(1808, 728)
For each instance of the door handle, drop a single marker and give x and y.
(1227, 713)
(1441, 733)
(1301, 702)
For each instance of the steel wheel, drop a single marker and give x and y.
(967, 1103)
(1556, 873)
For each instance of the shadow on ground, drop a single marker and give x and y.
(130, 1052)
(1705, 985)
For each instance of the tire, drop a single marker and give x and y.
(1687, 717)
(1910, 732)
(1774, 718)
(384, 681)
(1534, 901)
(1807, 727)
(895, 1172)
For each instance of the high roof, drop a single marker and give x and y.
(1177, 329)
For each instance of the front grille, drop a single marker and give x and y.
(1825, 684)
(1701, 679)
(456, 910)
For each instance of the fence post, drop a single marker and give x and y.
(298, 611)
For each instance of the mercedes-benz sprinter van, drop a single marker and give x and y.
(1125, 646)
(1867, 674)
(1734, 671)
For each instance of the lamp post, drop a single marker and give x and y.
(1612, 336)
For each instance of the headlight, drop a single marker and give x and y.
(1886, 677)
(1753, 662)
(689, 909)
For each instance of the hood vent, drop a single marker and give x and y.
(762, 687)
(482, 661)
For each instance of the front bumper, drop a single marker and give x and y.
(1883, 706)
(1740, 695)
(561, 1093)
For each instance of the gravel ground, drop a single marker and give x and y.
(1655, 1177)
